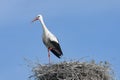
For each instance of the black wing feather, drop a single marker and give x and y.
(56, 50)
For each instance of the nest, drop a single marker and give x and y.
(72, 71)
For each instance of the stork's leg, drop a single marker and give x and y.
(49, 54)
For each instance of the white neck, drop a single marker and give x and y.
(43, 25)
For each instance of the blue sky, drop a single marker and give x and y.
(84, 28)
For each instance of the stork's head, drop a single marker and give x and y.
(38, 17)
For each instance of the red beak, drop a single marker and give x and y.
(35, 19)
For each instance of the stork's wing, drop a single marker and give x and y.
(57, 49)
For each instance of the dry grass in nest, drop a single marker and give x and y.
(73, 71)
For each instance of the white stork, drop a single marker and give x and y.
(50, 41)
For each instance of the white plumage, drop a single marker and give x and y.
(50, 41)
